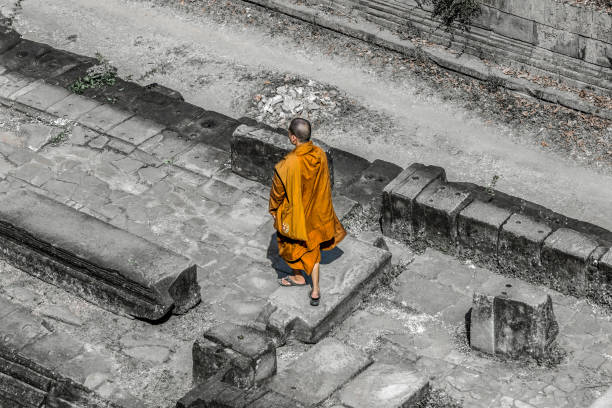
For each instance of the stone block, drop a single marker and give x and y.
(316, 374)
(247, 356)
(49, 64)
(399, 197)
(203, 159)
(344, 206)
(165, 110)
(436, 209)
(166, 146)
(23, 54)
(347, 168)
(515, 27)
(566, 255)
(479, 225)
(14, 393)
(43, 96)
(275, 400)
(136, 130)
(103, 264)
(104, 117)
(215, 393)
(520, 242)
(367, 189)
(8, 38)
(212, 128)
(349, 272)
(255, 152)
(385, 386)
(73, 107)
(513, 321)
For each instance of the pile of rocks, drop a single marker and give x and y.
(276, 106)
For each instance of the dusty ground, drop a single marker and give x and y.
(223, 54)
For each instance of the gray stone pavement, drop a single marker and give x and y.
(183, 196)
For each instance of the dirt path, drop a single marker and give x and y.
(220, 66)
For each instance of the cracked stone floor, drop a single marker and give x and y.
(191, 203)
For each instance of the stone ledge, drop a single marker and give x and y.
(255, 151)
(518, 237)
(104, 265)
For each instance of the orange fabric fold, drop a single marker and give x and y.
(301, 204)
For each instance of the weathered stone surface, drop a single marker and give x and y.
(479, 225)
(166, 146)
(23, 54)
(513, 321)
(436, 211)
(203, 159)
(399, 195)
(520, 241)
(36, 135)
(385, 386)
(12, 82)
(72, 107)
(246, 355)
(254, 152)
(95, 260)
(275, 400)
(217, 394)
(348, 168)
(211, 128)
(345, 279)
(603, 401)
(566, 257)
(8, 38)
(367, 189)
(103, 118)
(604, 272)
(43, 96)
(344, 206)
(316, 374)
(136, 130)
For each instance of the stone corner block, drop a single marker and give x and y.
(566, 256)
(255, 151)
(513, 321)
(478, 226)
(399, 196)
(245, 355)
(367, 189)
(520, 243)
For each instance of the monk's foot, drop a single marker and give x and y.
(315, 297)
(293, 281)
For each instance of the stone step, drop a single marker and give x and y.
(348, 273)
(43, 367)
(319, 372)
(385, 386)
(101, 263)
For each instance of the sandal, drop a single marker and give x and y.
(314, 301)
(291, 282)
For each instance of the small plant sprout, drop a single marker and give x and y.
(491, 186)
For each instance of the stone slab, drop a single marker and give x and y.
(246, 355)
(12, 82)
(566, 255)
(43, 97)
(478, 226)
(166, 146)
(604, 401)
(347, 167)
(385, 386)
(520, 242)
(136, 130)
(399, 196)
(212, 128)
(367, 189)
(316, 374)
(215, 393)
(347, 273)
(23, 55)
(343, 205)
(73, 107)
(95, 260)
(436, 211)
(8, 38)
(203, 159)
(255, 152)
(104, 117)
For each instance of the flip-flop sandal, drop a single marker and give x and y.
(291, 282)
(314, 301)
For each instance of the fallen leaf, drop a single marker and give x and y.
(544, 144)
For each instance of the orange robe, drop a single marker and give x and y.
(301, 204)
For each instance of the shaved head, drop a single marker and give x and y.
(301, 129)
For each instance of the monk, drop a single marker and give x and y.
(301, 204)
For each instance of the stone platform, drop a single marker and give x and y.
(101, 263)
(348, 273)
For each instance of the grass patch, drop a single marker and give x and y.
(100, 75)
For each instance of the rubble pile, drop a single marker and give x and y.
(277, 105)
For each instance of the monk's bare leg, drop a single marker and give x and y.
(315, 282)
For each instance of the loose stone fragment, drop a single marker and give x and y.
(513, 322)
(246, 355)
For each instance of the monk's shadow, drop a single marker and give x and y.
(283, 269)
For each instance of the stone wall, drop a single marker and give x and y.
(567, 42)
